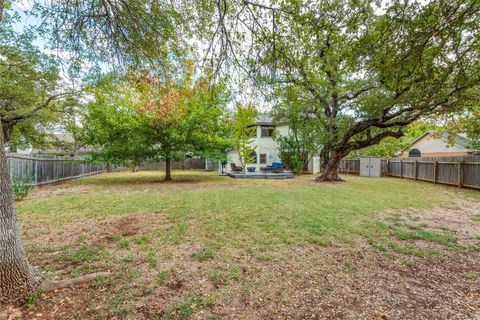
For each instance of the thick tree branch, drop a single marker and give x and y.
(31, 113)
(360, 144)
(355, 95)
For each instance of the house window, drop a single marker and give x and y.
(414, 153)
(267, 131)
(263, 158)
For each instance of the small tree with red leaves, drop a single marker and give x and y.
(145, 119)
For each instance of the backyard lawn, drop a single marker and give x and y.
(210, 247)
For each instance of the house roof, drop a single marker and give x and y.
(460, 140)
(264, 119)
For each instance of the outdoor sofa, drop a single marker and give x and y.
(276, 167)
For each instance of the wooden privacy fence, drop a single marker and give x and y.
(46, 170)
(457, 171)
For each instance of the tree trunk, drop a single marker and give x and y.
(331, 170)
(168, 169)
(17, 277)
(324, 158)
(2, 4)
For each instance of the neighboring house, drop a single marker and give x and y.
(267, 149)
(438, 144)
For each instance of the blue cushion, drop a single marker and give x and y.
(277, 164)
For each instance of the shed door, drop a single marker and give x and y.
(365, 167)
(375, 167)
(370, 167)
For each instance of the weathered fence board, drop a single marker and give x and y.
(425, 171)
(43, 170)
(459, 171)
(351, 166)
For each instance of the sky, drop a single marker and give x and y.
(21, 7)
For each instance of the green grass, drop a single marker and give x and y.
(184, 309)
(164, 276)
(143, 239)
(260, 212)
(152, 259)
(123, 244)
(207, 252)
(83, 254)
(32, 299)
(202, 228)
(426, 235)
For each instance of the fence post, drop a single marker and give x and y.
(55, 169)
(460, 174)
(388, 167)
(35, 167)
(401, 169)
(435, 171)
(415, 170)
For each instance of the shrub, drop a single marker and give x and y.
(293, 161)
(22, 186)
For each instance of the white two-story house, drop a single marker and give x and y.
(267, 149)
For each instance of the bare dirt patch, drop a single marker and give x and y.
(128, 226)
(458, 218)
(58, 190)
(310, 283)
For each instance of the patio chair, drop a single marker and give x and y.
(276, 167)
(236, 168)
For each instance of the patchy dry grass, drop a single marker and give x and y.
(211, 247)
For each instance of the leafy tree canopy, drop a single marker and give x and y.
(122, 34)
(367, 73)
(468, 123)
(140, 118)
(304, 139)
(30, 99)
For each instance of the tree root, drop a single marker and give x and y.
(46, 285)
(49, 285)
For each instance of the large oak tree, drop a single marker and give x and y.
(121, 33)
(29, 97)
(367, 71)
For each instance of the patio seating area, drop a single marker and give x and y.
(275, 171)
(260, 175)
(276, 167)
